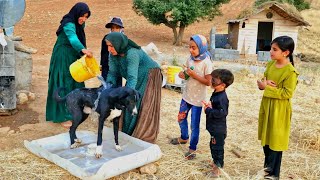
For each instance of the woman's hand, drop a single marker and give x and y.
(87, 52)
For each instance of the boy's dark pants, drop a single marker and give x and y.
(217, 148)
(272, 161)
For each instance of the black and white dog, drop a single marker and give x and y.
(107, 102)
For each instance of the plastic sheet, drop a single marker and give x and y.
(81, 163)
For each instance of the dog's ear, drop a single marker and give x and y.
(134, 93)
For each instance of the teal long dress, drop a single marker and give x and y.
(66, 51)
(134, 66)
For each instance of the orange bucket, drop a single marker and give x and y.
(84, 68)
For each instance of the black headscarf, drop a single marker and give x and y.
(78, 10)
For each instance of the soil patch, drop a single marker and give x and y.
(25, 115)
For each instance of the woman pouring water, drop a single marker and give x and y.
(70, 46)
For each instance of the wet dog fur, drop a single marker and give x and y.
(107, 102)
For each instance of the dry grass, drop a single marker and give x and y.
(301, 161)
(309, 37)
(290, 9)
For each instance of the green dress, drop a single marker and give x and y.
(66, 51)
(275, 109)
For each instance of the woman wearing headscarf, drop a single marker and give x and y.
(143, 74)
(70, 46)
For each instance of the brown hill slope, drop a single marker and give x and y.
(41, 20)
(309, 37)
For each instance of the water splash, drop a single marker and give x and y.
(103, 82)
(3, 43)
(96, 102)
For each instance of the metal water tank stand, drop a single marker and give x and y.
(7, 78)
(11, 12)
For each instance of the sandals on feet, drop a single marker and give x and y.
(176, 141)
(271, 177)
(189, 155)
(211, 174)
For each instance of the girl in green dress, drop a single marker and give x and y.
(279, 84)
(70, 46)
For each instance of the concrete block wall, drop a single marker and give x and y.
(7, 77)
(221, 40)
(224, 54)
(7, 62)
(263, 55)
(23, 70)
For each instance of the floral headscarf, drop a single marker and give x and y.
(202, 44)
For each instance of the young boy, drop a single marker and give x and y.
(216, 112)
(115, 25)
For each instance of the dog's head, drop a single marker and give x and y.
(126, 98)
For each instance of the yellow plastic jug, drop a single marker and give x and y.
(172, 71)
(84, 68)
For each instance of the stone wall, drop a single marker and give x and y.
(224, 54)
(263, 55)
(7, 77)
(23, 69)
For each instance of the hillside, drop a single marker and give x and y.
(309, 37)
(301, 161)
(42, 18)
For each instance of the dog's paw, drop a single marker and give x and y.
(77, 143)
(87, 110)
(98, 152)
(114, 113)
(118, 147)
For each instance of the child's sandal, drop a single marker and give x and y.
(211, 174)
(216, 170)
(176, 141)
(189, 155)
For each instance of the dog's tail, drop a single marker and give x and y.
(56, 96)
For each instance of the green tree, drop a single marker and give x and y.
(177, 14)
(299, 4)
